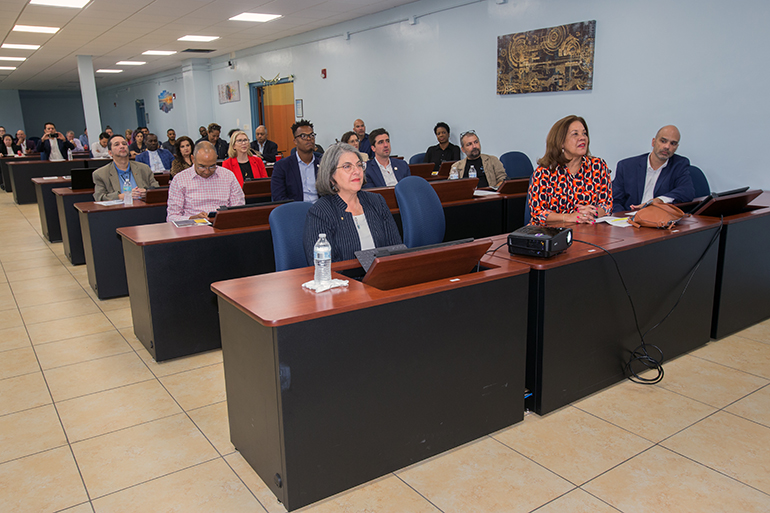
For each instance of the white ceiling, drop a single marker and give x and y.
(117, 30)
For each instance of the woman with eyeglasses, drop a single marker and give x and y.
(351, 138)
(569, 185)
(244, 164)
(352, 219)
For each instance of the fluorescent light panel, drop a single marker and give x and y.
(256, 17)
(130, 63)
(7, 68)
(158, 52)
(17, 59)
(75, 4)
(200, 39)
(36, 29)
(109, 71)
(12, 46)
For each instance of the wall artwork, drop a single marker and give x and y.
(544, 60)
(166, 101)
(229, 92)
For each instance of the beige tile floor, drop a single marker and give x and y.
(89, 422)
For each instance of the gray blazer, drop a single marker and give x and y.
(107, 185)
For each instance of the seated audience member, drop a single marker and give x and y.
(23, 143)
(100, 150)
(351, 138)
(444, 151)
(157, 158)
(138, 145)
(659, 176)
(213, 137)
(203, 188)
(204, 134)
(2, 131)
(9, 148)
(294, 177)
(569, 185)
(352, 219)
(242, 162)
(489, 170)
(53, 145)
(108, 130)
(170, 143)
(110, 179)
(75, 141)
(364, 142)
(129, 135)
(262, 146)
(84, 139)
(182, 155)
(383, 171)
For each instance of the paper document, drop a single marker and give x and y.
(191, 222)
(614, 221)
(479, 192)
(109, 203)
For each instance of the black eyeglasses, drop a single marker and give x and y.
(306, 137)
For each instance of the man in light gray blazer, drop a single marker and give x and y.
(109, 179)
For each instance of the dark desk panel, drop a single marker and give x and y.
(102, 245)
(6, 173)
(22, 173)
(46, 204)
(581, 328)
(326, 392)
(69, 222)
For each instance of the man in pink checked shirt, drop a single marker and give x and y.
(203, 188)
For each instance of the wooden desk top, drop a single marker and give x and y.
(278, 299)
(66, 191)
(161, 233)
(611, 238)
(59, 180)
(37, 161)
(90, 207)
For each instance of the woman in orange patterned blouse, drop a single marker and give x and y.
(569, 185)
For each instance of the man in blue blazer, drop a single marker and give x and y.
(60, 144)
(383, 171)
(164, 157)
(294, 177)
(659, 175)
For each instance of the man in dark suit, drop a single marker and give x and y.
(53, 145)
(364, 141)
(383, 171)
(294, 177)
(213, 137)
(109, 180)
(262, 145)
(659, 176)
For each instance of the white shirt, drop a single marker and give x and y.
(307, 173)
(387, 173)
(155, 163)
(651, 180)
(364, 233)
(55, 153)
(99, 151)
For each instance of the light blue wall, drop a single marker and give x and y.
(11, 116)
(696, 64)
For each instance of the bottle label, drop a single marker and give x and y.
(323, 254)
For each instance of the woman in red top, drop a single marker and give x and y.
(242, 161)
(569, 185)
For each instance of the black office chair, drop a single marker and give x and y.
(516, 164)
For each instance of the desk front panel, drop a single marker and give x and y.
(69, 222)
(22, 173)
(46, 205)
(331, 402)
(6, 174)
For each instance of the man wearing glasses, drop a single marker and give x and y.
(202, 188)
(294, 177)
(489, 169)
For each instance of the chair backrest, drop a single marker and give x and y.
(699, 180)
(516, 164)
(287, 226)
(422, 215)
(417, 158)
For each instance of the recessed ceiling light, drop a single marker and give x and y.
(109, 71)
(19, 59)
(7, 68)
(250, 16)
(12, 46)
(76, 4)
(33, 28)
(202, 39)
(158, 52)
(130, 63)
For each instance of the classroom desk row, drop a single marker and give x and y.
(22, 171)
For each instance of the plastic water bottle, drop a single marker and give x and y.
(322, 258)
(472, 172)
(69, 154)
(454, 174)
(128, 198)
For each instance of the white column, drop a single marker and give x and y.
(196, 77)
(90, 99)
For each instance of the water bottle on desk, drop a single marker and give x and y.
(69, 154)
(322, 258)
(454, 173)
(472, 172)
(128, 198)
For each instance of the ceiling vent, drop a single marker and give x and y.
(197, 50)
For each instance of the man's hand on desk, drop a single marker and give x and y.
(136, 193)
(200, 215)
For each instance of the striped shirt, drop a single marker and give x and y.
(190, 193)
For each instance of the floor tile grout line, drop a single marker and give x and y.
(103, 390)
(532, 460)
(38, 344)
(417, 492)
(224, 458)
(112, 432)
(600, 499)
(89, 359)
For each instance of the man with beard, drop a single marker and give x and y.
(489, 169)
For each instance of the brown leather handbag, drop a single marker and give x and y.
(658, 215)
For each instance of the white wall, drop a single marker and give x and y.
(11, 116)
(694, 63)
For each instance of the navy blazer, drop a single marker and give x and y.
(165, 156)
(286, 182)
(271, 150)
(628, 186)
(365, 146)
(374, 176)
(44, 148)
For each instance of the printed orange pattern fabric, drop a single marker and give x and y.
(560, 192)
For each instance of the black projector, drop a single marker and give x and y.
(539, 241)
